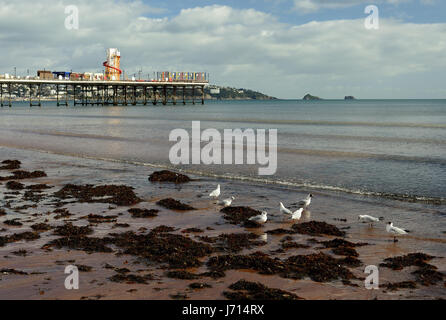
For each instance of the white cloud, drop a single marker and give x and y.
(310, 6)
(242, 48)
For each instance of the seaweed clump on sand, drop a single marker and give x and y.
(400, 285)
(27, 236)
(143, 213)
(182, 275)
(95, 218)
(13, 223)
(234, 242)
(14, 185)
(74, 237)
(317, 228)
(21, 175)
(2, 212)
(257, 261)
(41, 227)
(245, 290)
(428, 275)
(130, 278)
(72, 231)
(319, 267)
(83, 243)
(237, 215)
(412, 259)
(173, 204)
(38, 187)
(118, 195)
(177, 251)
(10, 165)
(169, 176)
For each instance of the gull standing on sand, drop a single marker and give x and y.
(285, 210)
(215, 193)
(368, 219)
(226, 202)
(395, 231)
(296, 215)
(307, 201)
(262, 218)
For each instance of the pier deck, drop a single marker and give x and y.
(103, 93)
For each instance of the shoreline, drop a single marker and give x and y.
(207, 218)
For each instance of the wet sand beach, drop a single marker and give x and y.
(160, 253)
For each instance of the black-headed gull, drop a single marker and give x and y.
(285, 210)
(368, 219)
(307, 201)
(215, 193)
(261, 218)
(395, 231)
(226, 202)
(296, 215)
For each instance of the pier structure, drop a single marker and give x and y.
(106, 93)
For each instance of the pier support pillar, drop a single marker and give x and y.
(154, 96)
(164, 95)
(193, 95)
(174, 96)
(184, 95)
(202, 95)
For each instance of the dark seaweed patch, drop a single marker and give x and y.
(316, 228)
(173, 204)
(143, 213)
(10, 165)
(245, 290)
(400, 285)
(118, 195)
(21, 175)
(14, 185)
(412, 259)
(168, 176)
(182, 275)
(237, 215)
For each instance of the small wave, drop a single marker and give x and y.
(306, 185)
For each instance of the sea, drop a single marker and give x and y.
(386, 153)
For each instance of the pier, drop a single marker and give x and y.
(107, 93)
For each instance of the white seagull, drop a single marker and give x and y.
(395, 231)
(226, 202)
(285, 210)
(368, 219)
(215, 193)
(262, 218)
(296, 215)
(307, 201)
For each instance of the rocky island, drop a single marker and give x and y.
(309, 97)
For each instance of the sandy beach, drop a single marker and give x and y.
(160, 253)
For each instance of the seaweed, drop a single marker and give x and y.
(173, 204)
(169, 176)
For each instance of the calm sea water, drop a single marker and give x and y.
(382, 149)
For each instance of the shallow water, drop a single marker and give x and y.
(376, 150)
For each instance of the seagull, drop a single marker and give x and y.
(215, 193)
(262, 218)
(226, 202)
(307, 201)
(396, 231)
(285, 210)
(366, 218)
(296, 215)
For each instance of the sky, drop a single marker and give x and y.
(283, 48)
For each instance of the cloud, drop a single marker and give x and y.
(242, 48)
(310, 6)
